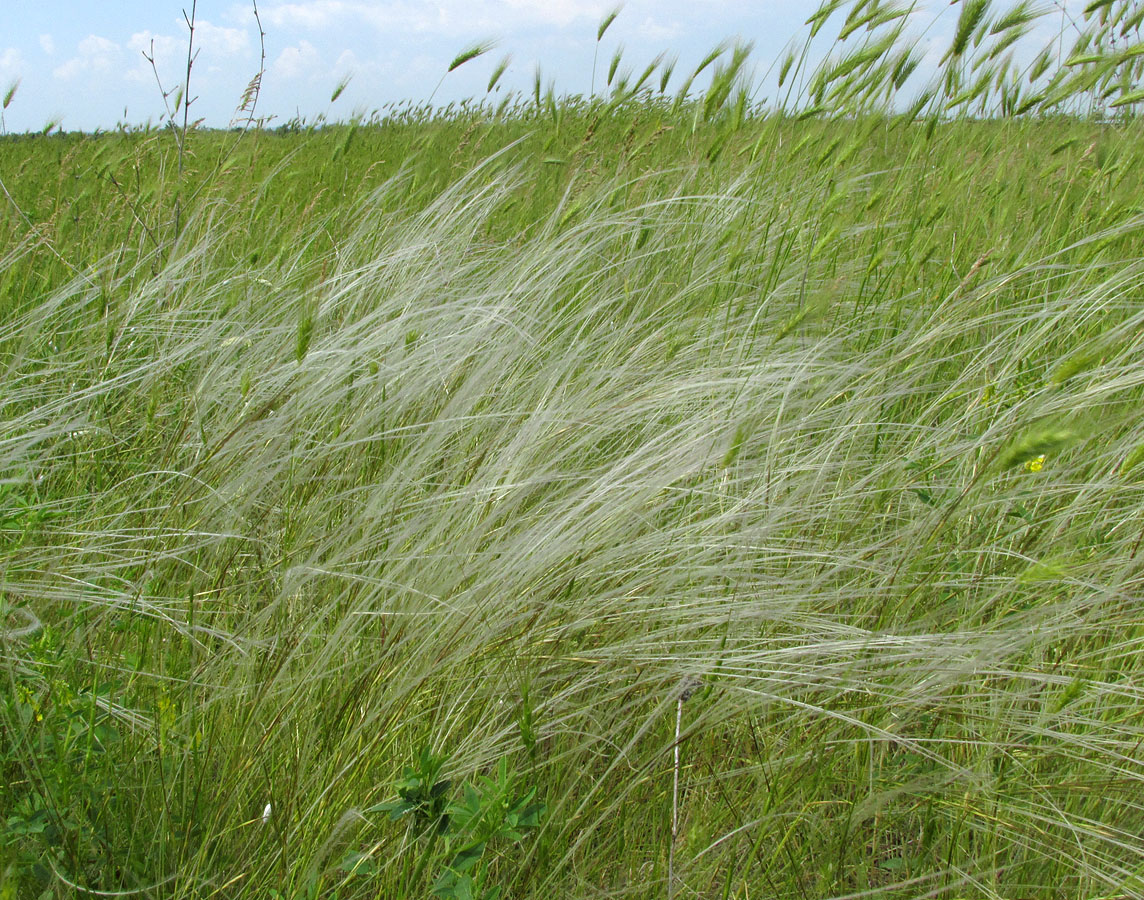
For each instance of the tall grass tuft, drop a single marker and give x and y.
(492, 465)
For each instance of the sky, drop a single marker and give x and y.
(83, 65)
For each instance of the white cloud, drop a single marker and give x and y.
(385, 17)
(219, 40)
(294, 62)
(169, 53)
(349, 64)
(446, 17)
(215, 45)
(214, 42)
(11, 60)
(47, 44)
(660, 32)
(313, 14)
(560, 13)
(166, 48)
(96, 55)
(373, 67)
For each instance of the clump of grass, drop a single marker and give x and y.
(493, 461)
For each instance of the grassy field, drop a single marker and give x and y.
(620, 497)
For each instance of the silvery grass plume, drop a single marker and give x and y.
(332, 508)
(493, 459)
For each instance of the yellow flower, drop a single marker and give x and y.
(1036, 464)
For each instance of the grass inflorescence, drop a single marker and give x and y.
(368, 543)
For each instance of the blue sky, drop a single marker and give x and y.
(82, 63)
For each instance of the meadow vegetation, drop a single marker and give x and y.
(364, 527)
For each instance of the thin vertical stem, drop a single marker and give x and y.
(687, 689)
(186, 112)
(674, 803)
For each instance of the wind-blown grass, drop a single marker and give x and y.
(494, 467)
